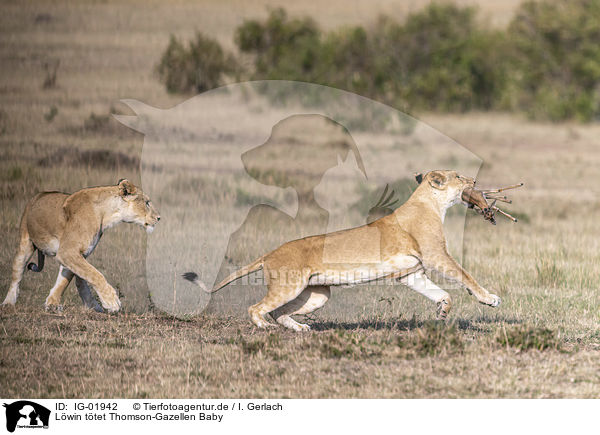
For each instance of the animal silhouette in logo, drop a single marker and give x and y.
(26, 413)
(300, 149)
(242, 169)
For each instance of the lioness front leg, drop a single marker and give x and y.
(62, 281)
(80, 267)
(450, 269)
(420, 283)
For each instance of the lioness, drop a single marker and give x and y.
(69, 227)
(407, 243)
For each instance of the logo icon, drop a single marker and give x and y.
(267, 162)
(26, 414)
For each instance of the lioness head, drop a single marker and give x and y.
(136, 206)
(446, 186)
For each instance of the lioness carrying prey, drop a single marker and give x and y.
(409, 242)
(69, 227)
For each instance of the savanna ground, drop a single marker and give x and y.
(542, 341)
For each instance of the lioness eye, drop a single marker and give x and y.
(147, 203)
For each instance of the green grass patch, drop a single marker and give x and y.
(433, 338)
(528, 337)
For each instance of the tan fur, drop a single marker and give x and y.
(69, 227)
(405, 244)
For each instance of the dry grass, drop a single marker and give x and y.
(84, 354)
(365, 343)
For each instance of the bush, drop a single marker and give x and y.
(284, 49)
(547, 63)
(197, 68)
(346, 61)
(556, 59)
(438, 59)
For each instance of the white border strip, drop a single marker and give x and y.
(313, 416)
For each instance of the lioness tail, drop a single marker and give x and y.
(252, 267)
(37, 267)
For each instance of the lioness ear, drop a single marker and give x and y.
(437, 180)
(419, 177)
(126, 187)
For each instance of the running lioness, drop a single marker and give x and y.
(409, 242)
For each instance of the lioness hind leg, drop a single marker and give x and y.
(257, 313)
(280, 292)
(421, 284)
(62, 281)
(85, 293)
(311, 299)
(24, 253)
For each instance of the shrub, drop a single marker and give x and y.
(438, 59)
(283, 48)
(547, 63)
(296, 49)
(556, 59)
(346, 61)
(198, 67)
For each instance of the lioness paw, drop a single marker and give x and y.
(301, 327)
(53, 308)
(112, 306)
(263, 324)
(5, 305)
(494, 301)
(9, 301)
